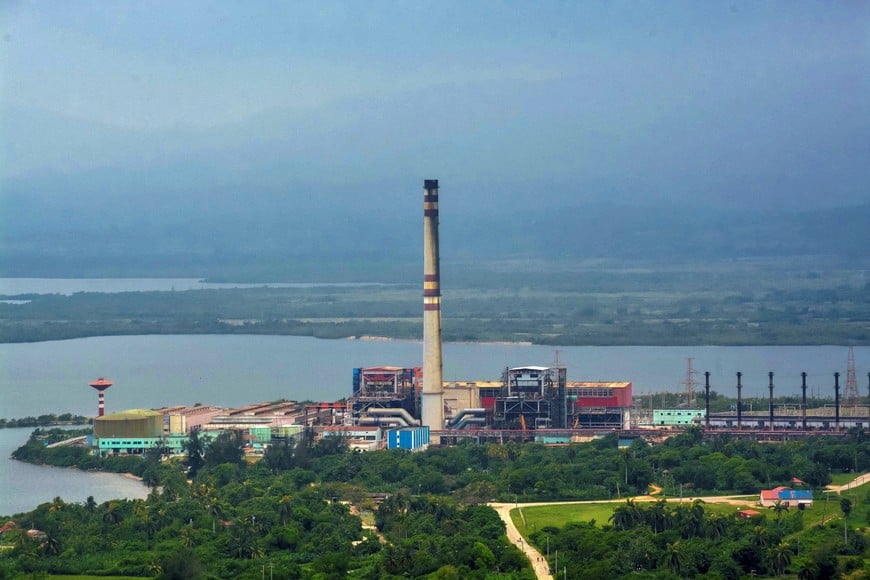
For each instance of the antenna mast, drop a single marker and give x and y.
(851, 380)
(690, 383)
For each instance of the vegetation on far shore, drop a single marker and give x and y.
(47, 420)
(727, 303)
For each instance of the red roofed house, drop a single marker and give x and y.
(788, 497)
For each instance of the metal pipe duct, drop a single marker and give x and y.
(393, 412)
(473, 411)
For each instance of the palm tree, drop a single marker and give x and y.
(57, 504)
(779, 557)
(139, 508)
(778, 509)
(151, 478)
(215, 510)
(626, 516)
(243, 542)
(149, 525)
(634, 509)
(257, 525)
(195, 453)
(716, 525)
(202, 491)
(90, 504)
(673, 557)
(113, 513)
(695, 518)
(759, 536)
(187, 537)
(846, 508)
(51, 544)
(285, 508)
(658, 515)
(621, 518)
(155, 569)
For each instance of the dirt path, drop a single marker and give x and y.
(540, 565)
(860, 480)
(354, 510)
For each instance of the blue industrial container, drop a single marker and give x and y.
(357, 380)
(410, 438)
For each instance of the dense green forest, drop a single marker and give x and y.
(543, 302)
(310, 510)
(45, 420)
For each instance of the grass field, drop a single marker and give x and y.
(842, 478)
(528, 520)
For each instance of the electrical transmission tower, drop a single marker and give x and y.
(851, 394)
(690, 383)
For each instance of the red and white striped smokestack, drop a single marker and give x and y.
(432, 396)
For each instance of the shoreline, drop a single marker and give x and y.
(845, 342)
(419, 341)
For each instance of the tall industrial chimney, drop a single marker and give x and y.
(770, 386)
(707, 397)
(432, 399)
(804, 400)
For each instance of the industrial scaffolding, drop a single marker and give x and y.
(531, 398)
(384, 388)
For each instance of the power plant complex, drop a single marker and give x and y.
(412, 406)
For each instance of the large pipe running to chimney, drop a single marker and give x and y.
(432, 413)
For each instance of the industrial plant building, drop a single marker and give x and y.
(133, 432)
(677, 417)
(525, 399)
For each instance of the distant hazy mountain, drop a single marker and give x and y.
(175, 222)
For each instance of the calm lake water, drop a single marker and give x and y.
(153, 371)
(67, 286)
(24, 486)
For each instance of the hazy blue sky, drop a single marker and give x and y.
(709, 103)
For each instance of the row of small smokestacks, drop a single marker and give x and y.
(770, 388)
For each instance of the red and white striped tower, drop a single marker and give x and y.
(432, 412)
(101, 385)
